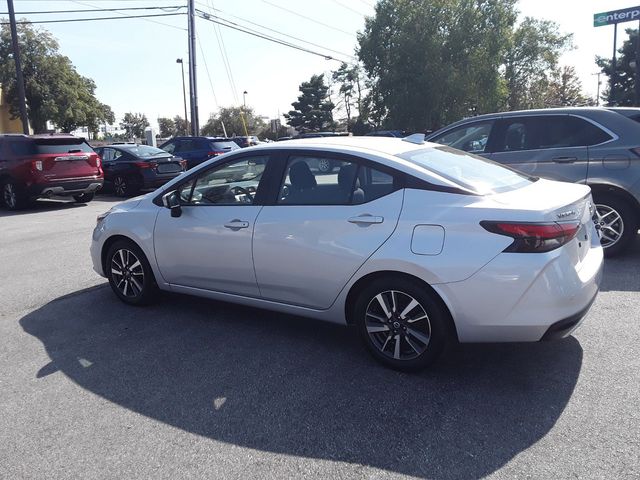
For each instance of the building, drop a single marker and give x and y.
(8, 124)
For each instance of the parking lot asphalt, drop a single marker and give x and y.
(191, 388)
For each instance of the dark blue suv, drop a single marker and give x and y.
(196, 150)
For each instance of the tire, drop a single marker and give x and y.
(325, 165)
(136, 285)
(421, 332)
(124, 186)
(84, 197)
(616, 222)
(13, 195)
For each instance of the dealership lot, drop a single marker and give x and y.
(92, 388)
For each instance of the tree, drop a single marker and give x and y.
(182, 126)
(234, 119)
(565, 89)
(134, 124)
(535, 46)
(313, 110)
(53, 88)
(624, 76)
(167, 127)
(430, 62)
(350, 89)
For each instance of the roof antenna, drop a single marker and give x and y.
(417, 138)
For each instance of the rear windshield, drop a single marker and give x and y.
(469, 171)
(223, 146)
(144, 151)
(49, 146)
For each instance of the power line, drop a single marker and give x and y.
(225, 23)
(68, 20)
(278, 32)
(43, 12)
(122, 14)
(310, 19)
(346, 7)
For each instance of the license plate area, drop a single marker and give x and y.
(169, 167)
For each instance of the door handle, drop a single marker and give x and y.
(236, 224)
(564, 159)
(365, 220)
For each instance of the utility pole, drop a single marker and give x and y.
(193, 81)
(184, 96)
(19, 78)
(614, 65)
(598, 88)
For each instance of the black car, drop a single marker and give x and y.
(196, 150)
(130, 168)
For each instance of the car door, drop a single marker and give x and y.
(548, 146)
(209, 245)
(322, 227)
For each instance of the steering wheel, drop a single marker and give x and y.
(242, 191)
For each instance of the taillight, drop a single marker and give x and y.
(145, 164)
(98, 162)
(37, 164)
(534, 237)
(214, 154)
(183, 163)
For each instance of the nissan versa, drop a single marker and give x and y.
(415, 244)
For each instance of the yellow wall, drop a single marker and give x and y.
(8, 124)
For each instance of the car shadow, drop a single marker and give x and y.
(55, 204)
(299, 387)
(621, 272)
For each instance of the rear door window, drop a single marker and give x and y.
(548, 132)
(472, 137)
(221, 146)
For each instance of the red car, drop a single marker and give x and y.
(36, 166)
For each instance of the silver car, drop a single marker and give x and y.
(415, 244)
(599, 147)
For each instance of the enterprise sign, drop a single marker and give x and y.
(616, 16)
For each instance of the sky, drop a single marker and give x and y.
(133, 61)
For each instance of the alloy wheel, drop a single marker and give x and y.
(609, 225)
(398, 325)
(127, 273)
(120, 186)
(324, 165)
(9, 195)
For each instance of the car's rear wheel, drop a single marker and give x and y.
(130, 274)
(616, 223)
(84, 197)
(13, 195)
(325, 165)
(403, 325)
(124, 186)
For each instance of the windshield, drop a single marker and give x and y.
(144, 151)
(469, 171)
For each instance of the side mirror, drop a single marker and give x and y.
(171, 201)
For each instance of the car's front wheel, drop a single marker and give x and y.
(616, 223)
(130, 274)
(402, 324)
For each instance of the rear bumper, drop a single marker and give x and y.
(65, 188)
(524, 297)
(564, 327)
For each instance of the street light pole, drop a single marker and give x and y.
(184, 96)
(19, 79)
(244, 99)
(193, 82)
